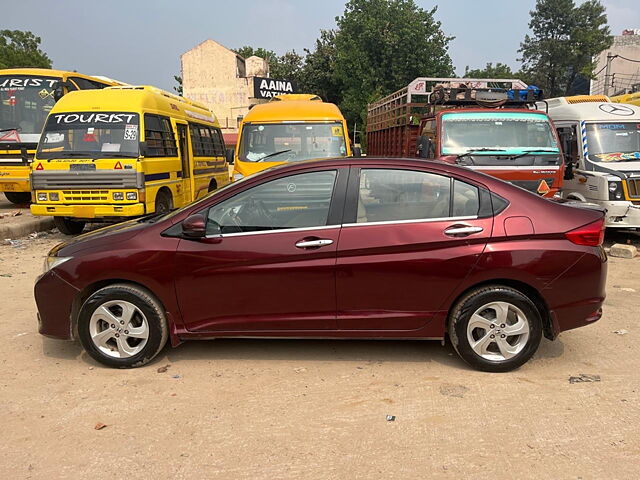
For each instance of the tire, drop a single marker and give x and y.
(164, 202)
(19, 198)
(68, 226)
(514, 340)
(116, 344)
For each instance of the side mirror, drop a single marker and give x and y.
(144, 150)
(194, 226)
(357, 152)
(229, 155)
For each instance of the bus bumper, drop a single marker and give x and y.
(89, 211)
(621, 214)
(10, 182)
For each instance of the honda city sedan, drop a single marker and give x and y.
(345, 248)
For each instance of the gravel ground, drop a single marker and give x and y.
(271, 409)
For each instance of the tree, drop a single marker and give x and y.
(381, 46)
(178, 88)
(564, 41)
(247, 51)
(319, 75)
(500, 70)
(21, 49)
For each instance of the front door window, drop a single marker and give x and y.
(297, 201)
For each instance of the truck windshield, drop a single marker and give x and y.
(26, 102)
(509, 133)
(91, 134)
(613, 142)
(286, 142)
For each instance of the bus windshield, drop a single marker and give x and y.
(291, 142)
(613, 142)
(26, 102)
(90, 134)
(508, 133)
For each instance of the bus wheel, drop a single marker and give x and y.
(164, 202)
(68, 226)
(19, 198)
(213, 185)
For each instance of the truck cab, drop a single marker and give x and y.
(490, 125)
(602, 141)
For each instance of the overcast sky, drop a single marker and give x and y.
(140, 41)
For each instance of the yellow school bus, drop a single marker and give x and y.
(289, 128)
(123, 152)
(27, 95)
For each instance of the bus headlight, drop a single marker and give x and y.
(132, 196)
(42, 197)
(118, 196)
(614, 185)
(54, 196)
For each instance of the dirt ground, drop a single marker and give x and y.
(270, 409)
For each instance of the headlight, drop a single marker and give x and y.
(42, 197)
(54, 196)
(237, 176)
(118, 196)
(132, 195)
(53, 262)
(614, 185)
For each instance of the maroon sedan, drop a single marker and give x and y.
(349, 248)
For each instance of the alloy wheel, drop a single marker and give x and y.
(119, 329)
(498, 331)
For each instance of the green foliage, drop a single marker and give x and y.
(286, 67)
(319, 75)
(21, 49)
(564, 40)
(246, 52)
(178, 88)
(500, 70)
(381, 46)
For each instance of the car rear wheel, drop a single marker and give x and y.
(19, 198)
(495, 328)
(122, 326)
(68, 226)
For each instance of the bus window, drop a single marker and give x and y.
(159, 136)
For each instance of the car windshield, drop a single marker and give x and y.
(291, 142)
(91, 134)
(509, 133)
(613, 142)
(26, 102)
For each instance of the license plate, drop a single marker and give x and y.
(82, 167)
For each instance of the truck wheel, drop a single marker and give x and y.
(68, 226)
(495, 328)
(122, 326)
(19, 198)
(164, 202)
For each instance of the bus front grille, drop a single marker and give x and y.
(71, 196)
(98, 179)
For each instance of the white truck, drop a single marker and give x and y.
(601, 141)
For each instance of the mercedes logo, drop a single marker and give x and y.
(616, 109)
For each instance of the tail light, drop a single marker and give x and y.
(591, 234)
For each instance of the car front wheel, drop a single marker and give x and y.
(495, 328)
(122, 326)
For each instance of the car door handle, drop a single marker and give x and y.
(321, 242)
(462, 230)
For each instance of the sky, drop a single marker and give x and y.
(140, 41)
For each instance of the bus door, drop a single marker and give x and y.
(187, 167)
